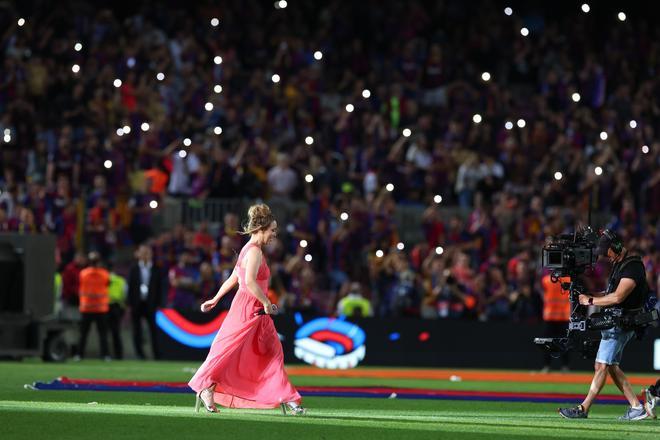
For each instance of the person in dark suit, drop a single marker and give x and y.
(144, 297)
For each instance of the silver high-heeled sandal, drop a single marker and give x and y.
(292, 410)
(205, 397)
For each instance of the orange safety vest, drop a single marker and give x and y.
(556, 306)
(158, 180)
(94, 296)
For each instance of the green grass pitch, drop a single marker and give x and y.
(41, 415)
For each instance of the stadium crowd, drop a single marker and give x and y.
(352, 110)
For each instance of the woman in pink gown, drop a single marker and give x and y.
(245, 366)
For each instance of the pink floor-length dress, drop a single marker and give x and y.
(246, 362)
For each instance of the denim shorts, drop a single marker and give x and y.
(611, 346)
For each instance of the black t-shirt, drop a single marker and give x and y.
(633, 268)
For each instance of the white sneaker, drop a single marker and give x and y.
(638, 413)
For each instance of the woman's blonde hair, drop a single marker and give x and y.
(259, 217)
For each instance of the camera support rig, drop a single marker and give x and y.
(577, 336)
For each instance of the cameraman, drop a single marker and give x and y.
(626, 289)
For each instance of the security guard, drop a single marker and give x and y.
(556, 313)
(94, 303)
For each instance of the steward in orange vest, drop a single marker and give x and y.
(94, 303)
(556, 306)
(94, 294)
(556, 313)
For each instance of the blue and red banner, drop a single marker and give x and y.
(186, 332)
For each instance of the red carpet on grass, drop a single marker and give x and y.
(65, 383)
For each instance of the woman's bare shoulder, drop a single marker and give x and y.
(254, 252)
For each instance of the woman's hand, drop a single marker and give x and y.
(207, 306)
(270, 308)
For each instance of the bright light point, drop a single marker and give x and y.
(75, 68)
(598, 171)
(145, 126)
(7, 132)
(622, 16)
(521, 123)
(508, 11)
(275, 78)
(126, 129)
(77, 47)
(439, 250)
(485, 76)
(558, 175)
(7, 138)
(585, 8)
(217, 88)
(309, 178)
(153, 204)
(21, 22)
(476, 118)
(350, 108)
(117, 83)
(208, 106)
(389, 187)
(187, 142)
(524, 32)
(282, 4)
(575, 97)
(182, 154)
(343, 216)
(603, 135)
(303, 243)
(215, 22)
(217, 130)
(366, 93)
(406, 132)
(217, 60)
(318, 55)
(437, 198)
(107, 164)
(130, 62)
(309, 140)
(379, 253)
(160, 76)
(508, 125)
(645, 149)
(120, 132)
(400, 246)
(633, 124)
(308, 258)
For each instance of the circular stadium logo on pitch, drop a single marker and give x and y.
(330, 343)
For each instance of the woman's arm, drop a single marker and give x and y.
(251, 268)
(226, 287)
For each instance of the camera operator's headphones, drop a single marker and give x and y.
(616, 243)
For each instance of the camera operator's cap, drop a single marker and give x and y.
(603, 245)
(607, 240)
